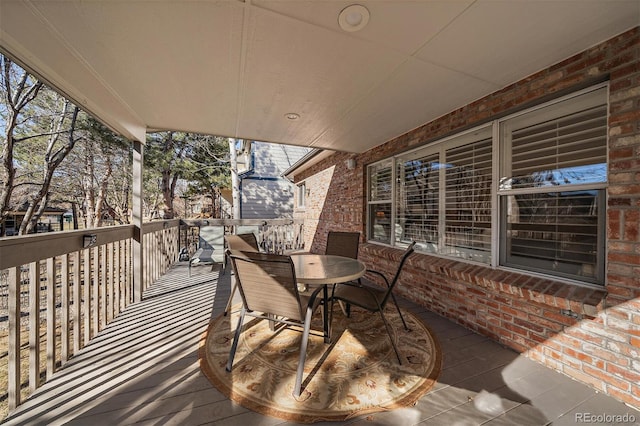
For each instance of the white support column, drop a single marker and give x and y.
(235, 181)
(137, 252)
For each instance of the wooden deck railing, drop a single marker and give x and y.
(56, 294)
(274, 235)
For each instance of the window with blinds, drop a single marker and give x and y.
(569, 150)
(562, 144)
(559, 233)
(552, 211)
(540, 174)
(468, 200)
(380, 180)
(379, 201)
(417, 205)
(443, 196)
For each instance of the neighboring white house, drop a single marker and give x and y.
(264, 192)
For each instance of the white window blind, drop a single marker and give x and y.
(560, 232)
(552, 199)
(558, 145)
(380, 201)
(380, 181)
(418, 199)
(468, 200)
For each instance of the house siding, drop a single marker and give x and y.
(265, 193)
(601, 347)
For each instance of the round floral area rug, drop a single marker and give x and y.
(358, 373)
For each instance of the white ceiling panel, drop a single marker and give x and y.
(27, 36)
(151, 56)
(400, 25)
(235, 68)
(319, 74)
(504, 41)
(415, 94)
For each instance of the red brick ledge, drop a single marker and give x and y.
(584, 301)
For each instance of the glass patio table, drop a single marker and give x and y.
(325, 270)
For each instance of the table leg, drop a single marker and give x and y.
(325, 313)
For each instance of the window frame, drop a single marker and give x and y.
(499, 155)
(301, 195)
(371, 226)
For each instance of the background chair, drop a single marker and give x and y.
(249, 229)
(267, 284)
(210, 247)
(343, 244)
(240, 242)
(374, 299)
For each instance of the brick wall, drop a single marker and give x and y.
(335, 201)
(601, 347)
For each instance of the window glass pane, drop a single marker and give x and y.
(468, 201)
(380, 222)
(302, 194)
(380, 181)
(558, 233)
(563, 144)
(417, 203)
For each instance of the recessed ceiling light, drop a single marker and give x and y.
(292, 116)
(353, 18)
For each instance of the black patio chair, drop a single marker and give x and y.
(240, 242)
(267, 284)
(374, 299)
(343, 244)
(340, 243)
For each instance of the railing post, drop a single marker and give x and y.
(14, 339)
(138, 267)
(110, 281)
(86, 291)
(77, 303)
(51, 317)
(34, 326)
(64, 314)
(94, 303)
(103, 286)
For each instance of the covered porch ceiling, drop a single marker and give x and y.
(239, 68)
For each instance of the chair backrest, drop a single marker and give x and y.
(249, 229)
(242, 242)
(396, 277)
(267, 283)
(212, 237)
(343, 244)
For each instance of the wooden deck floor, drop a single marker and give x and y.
(143, 369)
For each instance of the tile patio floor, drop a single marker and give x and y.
(143, 369)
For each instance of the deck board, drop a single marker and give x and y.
(143, 369)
